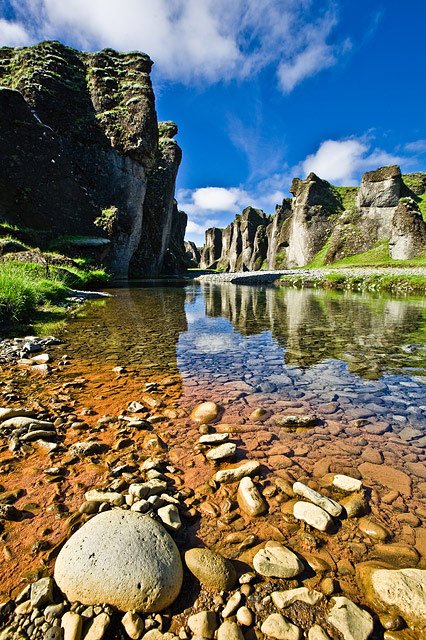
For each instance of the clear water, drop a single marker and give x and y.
(347, 355)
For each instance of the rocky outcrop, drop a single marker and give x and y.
(408, 235)
(212, 249)
(328, 223)
(157, 221)
(193, 254)
(81, 150)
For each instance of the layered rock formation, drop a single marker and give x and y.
(324, 224)
(84, 161)
(193, 254)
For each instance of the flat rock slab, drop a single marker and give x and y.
(226, 450)
(283, 599)
(123, 559)
(226, 476)
(346, 483)
(211, 569)
(386, 476)
(276, 561)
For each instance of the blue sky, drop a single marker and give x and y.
(262, 90)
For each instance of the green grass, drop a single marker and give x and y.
(378, 256)
(24, 287)
(348, 195)
(318, 260)
(376, 282)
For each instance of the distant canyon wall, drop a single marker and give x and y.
(324, 223)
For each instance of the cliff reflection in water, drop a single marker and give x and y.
(311, 325)
(137, 327)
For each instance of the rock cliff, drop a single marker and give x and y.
(86, 167)
(322, 224)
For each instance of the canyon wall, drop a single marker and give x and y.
(322, 224)
(86, 168)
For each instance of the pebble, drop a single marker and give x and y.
(133, 624)
(41, 592)
(373, 529)
(205, 412)
(229, 631)
(226, 476)
(332, 507)
(250, 499)
(98, 627)
(211, 569)
(169, 516)
(312, 515)
(72, 624)
(276, 626)
(213, 438)
(104, 496)
(317, 633)
(354, 505)
(276, 561)
(244, 616)
(346, 483)
(226, 450)
(232, 605)
(203, 624)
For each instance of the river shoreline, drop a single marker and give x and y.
(89, 402)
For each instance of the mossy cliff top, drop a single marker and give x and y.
(104, 97)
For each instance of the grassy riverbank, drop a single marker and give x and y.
(26, 288)
(357, 280)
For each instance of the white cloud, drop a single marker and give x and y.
(196, 40)
(418, 146)
(341, 161)
(215, 198)
(13, 34)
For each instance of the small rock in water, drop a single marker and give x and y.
(354, 505)
(276, 561)
(211, 569)
(332, 507)
(213, 438)
(249, 498)
(104, 496)
(260, 414)
(346, 483)
(312, 515)
(295, 422)
(276, 626)
(226, 450)
(373, 529)
(351, 621)
(226, 476)
(205, 412)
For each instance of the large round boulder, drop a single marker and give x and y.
(123, 559)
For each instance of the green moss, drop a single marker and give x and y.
(348, 196)
(397, 284)
(318, 260)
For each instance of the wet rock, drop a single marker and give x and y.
(350, 620)
(386, 476)
(259, 415)
(90, 507)
(203, 624)
(276, 561)
(9, 512)
(223, 451)
(402, 591)
(312, 515)
(354, 505)
(250, 499)
(133, 624)
(7, 413)
(205, 412)
(211, 569)
(276, 626)
(226, 476)
(295, 422)
(346, 483)
(332, 507)
(54, 633)
(229, 631)
(282, 599)
(399, 554)
(41, 592)
(373, 529)
(72, 624)
(121, 558)
(213, 438)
